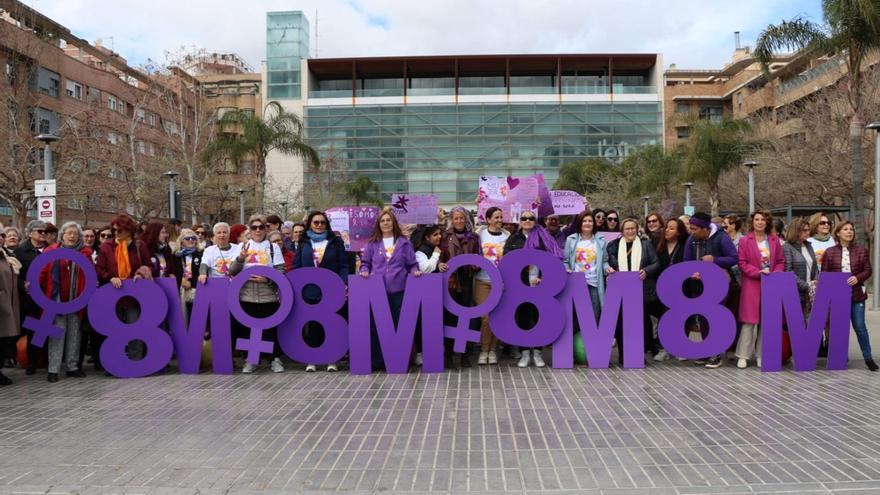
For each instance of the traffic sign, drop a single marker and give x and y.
(44, 188)
(46, 209)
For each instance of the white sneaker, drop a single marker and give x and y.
(277, 367)
(742, 364)
(759, 362)
(538, 358)
(310, 368)
(332, 367)
(493, 358)
(419, 359)
(524, 359)
(661, 356)
(249, 368)
(483, 358)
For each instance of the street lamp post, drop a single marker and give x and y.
(687, 194)
(647, 200)
(875, 297)
(241, 192)
(172, 197)
(284, 210)
(751, 164)
(47, 140)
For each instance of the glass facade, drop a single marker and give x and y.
(444, 148)
(287, 44)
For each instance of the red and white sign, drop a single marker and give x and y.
(46, 209)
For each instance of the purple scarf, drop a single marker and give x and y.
(533, 241)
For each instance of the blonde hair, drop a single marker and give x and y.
(185, 232)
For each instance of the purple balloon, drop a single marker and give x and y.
(671, 329)
(188, 341)
(623, 294)
(779, 294)
(290, 335)
(462, 333)
(255, 345)
(45, 326)
(154, 306)
(550, 315)
(368, 296)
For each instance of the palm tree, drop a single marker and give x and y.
(583, 176)
(362, 190)
(243, 135)
(712, 149)
(852, 29)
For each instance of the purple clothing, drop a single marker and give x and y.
(395, 270)
(718, 245)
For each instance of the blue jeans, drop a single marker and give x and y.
(858, 323)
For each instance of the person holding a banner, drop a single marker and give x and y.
(585, 253)
(187, 262)
(760, 253)
(390, 255)
(320, 248)
(492, 242)
(849, 257)
(426, 242)
(63, 281)
(123, 258)
(531, 236)
(631, 254)
(259, 295)
(457, 240)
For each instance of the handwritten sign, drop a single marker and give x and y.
(567, 202)
(514, 195)
(414, 208)
(354, 224)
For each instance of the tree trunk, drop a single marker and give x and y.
(856, 133)
(713, 198)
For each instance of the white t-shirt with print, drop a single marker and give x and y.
(259, 254)
(492, 247)
(819, 247)
(389, 247)
(318, 248)
(218, 261)
(585, 260)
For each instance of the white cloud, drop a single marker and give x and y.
(690, 33)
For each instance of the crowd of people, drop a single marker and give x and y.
(596, 243)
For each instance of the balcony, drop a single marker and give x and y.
(331, 93)
(430, 91)
(585, 90)
(634, 90)
(495, 90)
(543, 90)
(366, 93)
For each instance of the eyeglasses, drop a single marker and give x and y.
(825, 222)
(612, 219)
(651, 220)
(526, 219)
(200, 232)
(106, 236)
(805, 229)
(39, 231)
(319, 222)
(258, 227)
(190, 238)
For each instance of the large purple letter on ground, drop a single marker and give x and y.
(188, 341)
(779, 294)
(153, 308)
(722, 324)
(542, 296)
(422, 296)
(622, 295)
(325, 312)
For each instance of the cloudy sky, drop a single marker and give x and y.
(689, 33)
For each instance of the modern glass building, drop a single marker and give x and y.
(435, 124)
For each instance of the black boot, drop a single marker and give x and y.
(53, 377)
(448, 363)
(4, 380)
(465, 359)
(31, 369)
(871, 364)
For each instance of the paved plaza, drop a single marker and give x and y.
(673, 428)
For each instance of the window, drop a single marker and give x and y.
(141, 147)
(682, 132)
(94, 95)
(112, 138)
(682, 108)
(116, 172)
(715, 113)
(151, 119)
(140, 115)
(170, 127)
(48, 82)
(9, 71)
(115, 104)
(74, 90)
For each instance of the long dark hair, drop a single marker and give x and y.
(395, 227)
(420, 236)
(151, 235)
(681, 235)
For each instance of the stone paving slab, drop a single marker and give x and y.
(673, 428)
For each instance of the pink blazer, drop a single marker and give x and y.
(750, 266)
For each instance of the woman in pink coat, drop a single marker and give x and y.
(760, 253)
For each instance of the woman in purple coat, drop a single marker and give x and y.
(389, 255)
(760, 253)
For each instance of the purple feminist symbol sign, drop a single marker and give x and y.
(255, 345)
(461, 334)
(45, 326)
